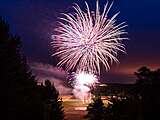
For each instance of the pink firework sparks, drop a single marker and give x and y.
(86, 39)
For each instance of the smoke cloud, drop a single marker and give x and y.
(55, 75)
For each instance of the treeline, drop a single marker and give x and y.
(142, 103)
(26, 99)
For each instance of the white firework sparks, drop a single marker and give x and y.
(86, 39)
(82, 85)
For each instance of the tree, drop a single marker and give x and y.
(144, 76)
(96, 110)
(117, 109)
(23, 103)
(53, 102)
(148, 84)
(123, 109)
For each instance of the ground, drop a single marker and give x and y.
(74, 108)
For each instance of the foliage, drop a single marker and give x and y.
(148, 86)
(52, 102)
(21, 84)
(26, 101)
(96, 110)
(124, 109)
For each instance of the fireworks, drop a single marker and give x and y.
(82, 84)
(86, 39)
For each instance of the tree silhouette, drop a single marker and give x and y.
(148, 86)
(144, 76)
(53, 103)
(96, 110)
(23, 104)
(26, 99)
(124, 109)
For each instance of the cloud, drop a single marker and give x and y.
(55, 75)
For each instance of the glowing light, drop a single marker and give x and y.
(85, 39)
(81, 108)
(82, 86)
(86, 78)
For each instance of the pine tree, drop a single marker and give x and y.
(23, 103)
(53, 102)
(96, 110)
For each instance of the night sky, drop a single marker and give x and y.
(34, 21)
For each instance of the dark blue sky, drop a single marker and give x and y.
(34, 21)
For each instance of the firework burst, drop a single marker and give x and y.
(86, 39)
(82, 84)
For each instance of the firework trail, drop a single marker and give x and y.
(86, 39)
